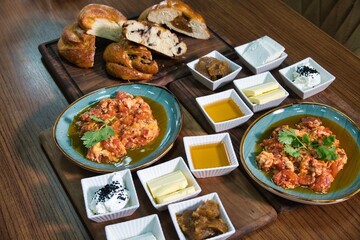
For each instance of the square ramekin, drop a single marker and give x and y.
(240, 50)
(209, 139)
(164, 168)
(326, 78)
(92, 184)
(135, 228)
(193, 204)
(225, 125)
(214, 84)
(254, 80)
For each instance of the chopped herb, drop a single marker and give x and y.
(293, 144)
(328, 140)
(90, 138)
(327, 153)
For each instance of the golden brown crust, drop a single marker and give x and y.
(76, 46)
(120, 71)
(129, 61)
(182, 7)
(91, 12)
(178, 16)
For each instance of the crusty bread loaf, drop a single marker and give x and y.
(101, 21)
(129, 61)
(76, 46)
(154, 37)
(177, 16)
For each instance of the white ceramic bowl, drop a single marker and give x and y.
(192, 204)
(240, 50)
(215, 97)
(326, 78)
(211, 84)
(209, 139)
(254, 80)
(167, 167)
(92, 184)
(134, 228)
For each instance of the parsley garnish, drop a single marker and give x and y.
(90, 138)
(293, 144)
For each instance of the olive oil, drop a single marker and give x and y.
(223, 110)
(134, 155)
(209, 155)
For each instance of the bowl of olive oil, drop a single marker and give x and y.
(210, 155)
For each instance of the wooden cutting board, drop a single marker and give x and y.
(246, 207)
(187, 89)
(75, 82)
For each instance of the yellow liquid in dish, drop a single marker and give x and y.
(209, 155)
(223, 110)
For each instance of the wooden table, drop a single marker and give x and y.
(36, 201)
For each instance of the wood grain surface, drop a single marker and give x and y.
(234, 190)
(35, 204)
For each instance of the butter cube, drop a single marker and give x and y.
(260, 89)
(175, 195)
(167, 183)
(268, 96)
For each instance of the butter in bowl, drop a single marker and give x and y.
(168, 182)
(261, 91)
(210, 155)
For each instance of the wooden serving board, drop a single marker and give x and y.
(246, 207)
(187, 89)
(75, 81)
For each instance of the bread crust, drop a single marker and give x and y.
(76, 46)
(179, 17)
(102, 21)
(91, 12)
(129, 61)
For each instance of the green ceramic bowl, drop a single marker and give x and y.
(346, 183)
(170, 125)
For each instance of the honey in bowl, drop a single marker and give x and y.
(210, 155)
(223, 110)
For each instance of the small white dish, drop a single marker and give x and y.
(214, 84)
(210, 139)
(228, 124)
(287, 75)
(240, 50)
(254, 80)
(164, 168)
(193, 204)
(135, 228)
(93, 184)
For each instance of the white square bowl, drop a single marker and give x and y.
(224, 125)
(214, 84)
(258, 79)
(208, 139)
(92, 184)
(193, 204)
(326, 78)
(240, 50)
(175, 164)
(134, 228)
